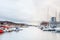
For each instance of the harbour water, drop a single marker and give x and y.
(30, 33)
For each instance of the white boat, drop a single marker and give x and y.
(57, 29)
(47, 28)
(9, 30)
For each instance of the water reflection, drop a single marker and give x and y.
(31, 33)
(1, 33)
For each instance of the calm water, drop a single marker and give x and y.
(31, 33)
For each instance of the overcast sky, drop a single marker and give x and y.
(28, 10)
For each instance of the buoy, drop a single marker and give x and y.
(1, 31)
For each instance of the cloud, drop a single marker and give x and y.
(28, 10)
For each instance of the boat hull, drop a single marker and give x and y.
(1, 31)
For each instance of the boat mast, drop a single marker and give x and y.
(59, 16)
(56, 15)
(48, 14)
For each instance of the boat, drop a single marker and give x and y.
(4, 29)
(48, 29)
(16, 29)
(57, 29)
(1, 30)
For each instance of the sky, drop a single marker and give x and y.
(28, 10)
